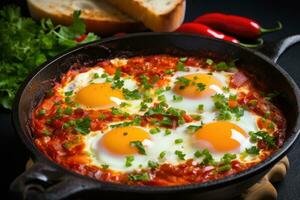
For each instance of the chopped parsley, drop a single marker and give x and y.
(197, 154)
(224, 168)
(180, 154)
(41, 112)
(68, 110)
(224, 111)
(177, 98)
(162, 154)
(69, 93)
(96, 75)
(139, 177)
(152, 164)
(128, 161)
(83, 125)
(207, 158)
(223, 66)
(145, 82)
(178, 141)
(193, 128)
(131, 95)
(105, 166)
(165, 121)
(116, 111)
(253, 150)
(167, 132)
(201, 107)
(183, 59)
(154, 130)
(180, 66)
(139, 145)
(262, 135)
(201, 86)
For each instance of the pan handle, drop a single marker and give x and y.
(45, 182)
(274, 50)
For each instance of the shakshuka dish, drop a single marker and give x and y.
(158, 120)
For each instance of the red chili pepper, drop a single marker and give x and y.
(81, 38)
(201, 29)
(235, 25)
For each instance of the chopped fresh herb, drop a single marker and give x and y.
(201, 86)
(161, 98)
(180, 154)
(167, 132)
(105, 166)
(162, 154)
(196, 117)
(180, 66)
(139, 145)
(102, 116)
(68, 110)
(68, 100)
(159, 91)
(41, 112)
(128, 161)
(145, 82)
(46, 132)
(224, 168)
(69, 93)
(227, 158)
(83, 125)
(117, 74)
(169, 71)
(139, 177)
(223, 66)
(104, 75)
(197, 154)
(131, 95)
(143, 106)
(193, 128)
(165, 121)
(225, 89)
(124, 104)
(178, 141)
(209, 61)
(154, 130)
(208, 158)
(268, 139)
(224, 110)
(177, 98)
(201, 107)
(253, 150)
(96, 75)
(116, 111)
(117, 84)
(152, 164)
(184, 82)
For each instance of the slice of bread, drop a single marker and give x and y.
(157, 15)
(100, 17)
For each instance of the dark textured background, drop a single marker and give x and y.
(267, 12)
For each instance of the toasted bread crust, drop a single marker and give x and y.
(101, 26)
(165, 22)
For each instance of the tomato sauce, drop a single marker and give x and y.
(64, 145)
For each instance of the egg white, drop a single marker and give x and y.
(191, 105)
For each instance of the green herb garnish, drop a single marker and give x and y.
(139, 145)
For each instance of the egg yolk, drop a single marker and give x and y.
(192, 90)
(220, 137)
(98, 95)
(117, 141)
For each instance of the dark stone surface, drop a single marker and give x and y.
(267, 12)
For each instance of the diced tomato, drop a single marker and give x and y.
(81, 38)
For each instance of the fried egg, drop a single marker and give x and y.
(93, 90)
(192, 97)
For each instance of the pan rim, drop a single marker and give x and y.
(209, 185)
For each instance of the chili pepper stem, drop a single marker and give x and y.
(260, 42)
(279, 27)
